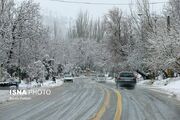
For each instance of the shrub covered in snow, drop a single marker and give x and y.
(36, 70)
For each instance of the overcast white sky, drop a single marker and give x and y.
(68, 10)
(65, 13)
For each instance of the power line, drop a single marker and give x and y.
(100, 3)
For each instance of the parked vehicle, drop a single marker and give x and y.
(125, 79)
(68, 78)
(101, 78)
(9, 85)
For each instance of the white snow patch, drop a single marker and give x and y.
(48, 84)
(45, 84)
(4, 94)
(161, 82)
(145, 82)
(170, 86)
(173, 88)
(30, 85)
(138, 77)
(160, 77)
(110, 80)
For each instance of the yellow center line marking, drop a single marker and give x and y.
(119, 106)
(102, 110)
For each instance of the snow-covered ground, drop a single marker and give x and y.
(145, 82)
(170, 86)
(46, 84)
(4, 94)
(110, 80)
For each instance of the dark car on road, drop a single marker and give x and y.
(125, 79)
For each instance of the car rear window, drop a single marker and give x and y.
(67, 75)
(126, 75)
(101, 75)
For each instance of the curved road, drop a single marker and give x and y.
(87, 100)
(143, 104)
(72, 101)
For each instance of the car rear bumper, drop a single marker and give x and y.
(123, 83)
(68, 80)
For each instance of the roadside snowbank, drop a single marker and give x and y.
(46, 84)
(4, 94)
(173, 88)
(170, 86)
(49, 84)
(145, 82)
(110, 80)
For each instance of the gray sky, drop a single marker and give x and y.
(70, 10)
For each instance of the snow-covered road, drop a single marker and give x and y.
(72, 101)
(88, 100)
(142, 103)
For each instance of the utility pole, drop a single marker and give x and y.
(168, 24)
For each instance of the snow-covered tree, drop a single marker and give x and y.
(23, 37)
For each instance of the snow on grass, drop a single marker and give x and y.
(48, 84)
(170, 86)
(45, 84)
(173, 87)
(24, 85)
(145, 82)
(110, 80)
(164, 82)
